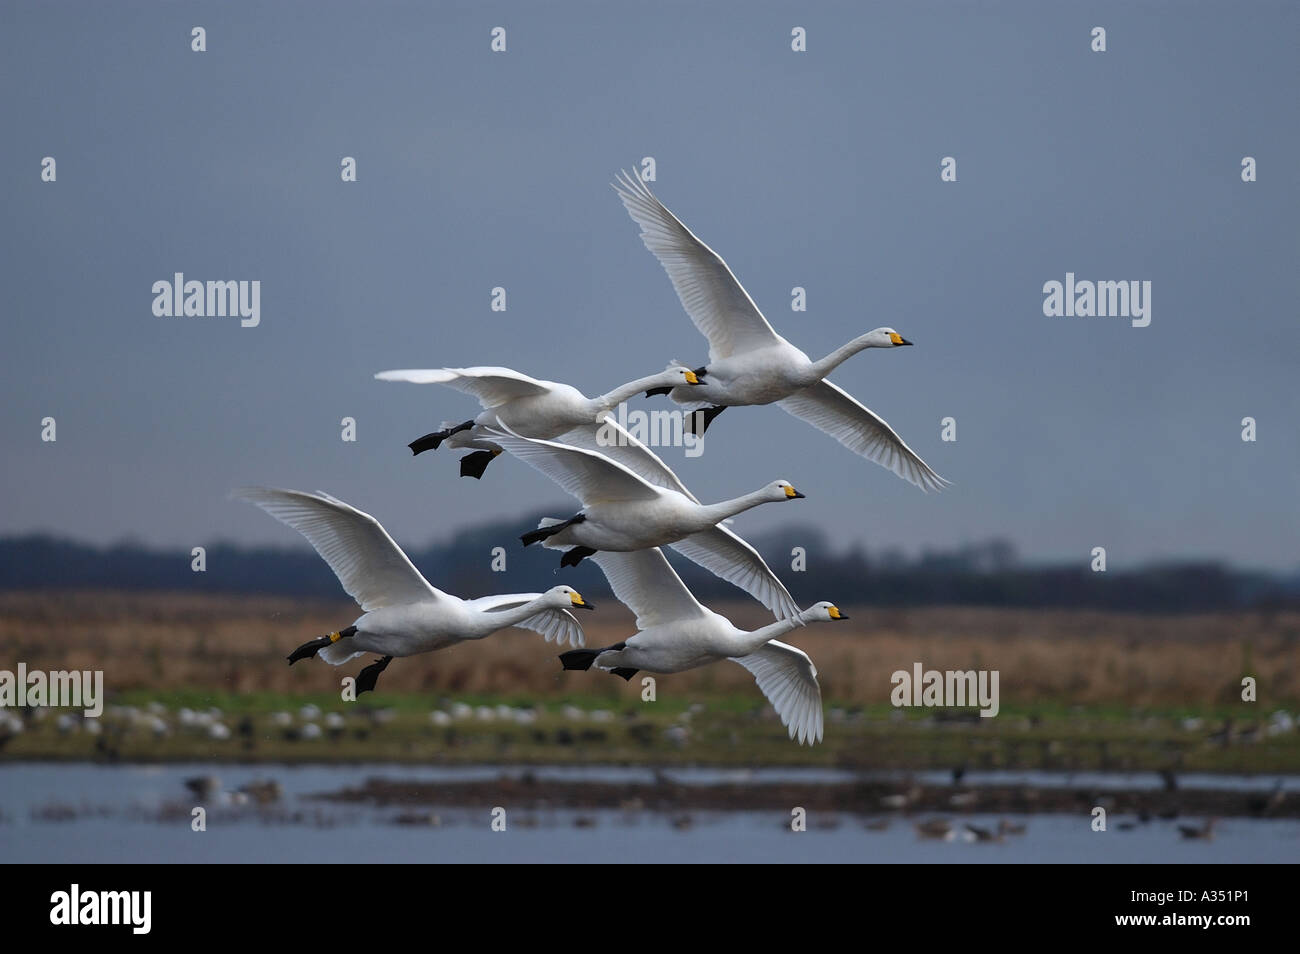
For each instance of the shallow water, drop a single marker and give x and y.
(119, 813)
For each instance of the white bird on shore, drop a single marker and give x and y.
(621, 511)
(749, 363)
(542, 409)
(403, 614)
(676, 633)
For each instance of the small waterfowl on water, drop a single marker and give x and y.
(940, 829)
(1202, 832)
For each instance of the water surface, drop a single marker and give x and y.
(140, 813)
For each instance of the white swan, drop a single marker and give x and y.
(542, 409)
(676, 633)
(749, 363)
(622, 511)
(404, 615)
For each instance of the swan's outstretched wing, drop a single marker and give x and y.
(834, 411)
(590, 476)
(710, 293)
(372, 568)
(557, 625)
(789, 680)
(724, 553)
(628, 451)
(645, 583)
(492, 386)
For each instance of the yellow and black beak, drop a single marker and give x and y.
(835, 613)
(692, 377)
(898, 339)
(793, 494)
(579, 603)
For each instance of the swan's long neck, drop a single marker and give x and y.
(729, 508)
(517, 614)
(841, 354)
(749, 642)
(614, 398)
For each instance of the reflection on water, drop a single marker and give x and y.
(95, 813)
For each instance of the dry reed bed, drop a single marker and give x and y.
(239, 643)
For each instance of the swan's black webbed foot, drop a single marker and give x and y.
(367, 678)
(473, 465)
(433, 441)
(575, 556)
(581, 659)
(700, 420)
(543, 533)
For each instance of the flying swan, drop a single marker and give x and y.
(749, 363)
(404, 615)
(622, 511)
(676, 633)
(542, 409)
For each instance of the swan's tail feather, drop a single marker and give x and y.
(548, 543)
(535, 536)
(335, 648)
(339, 653)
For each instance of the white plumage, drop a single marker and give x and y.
(675, 633)
(621, 511)
(550, 411)
(749, 363)
(403, 613)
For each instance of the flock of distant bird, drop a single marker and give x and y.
(631, 501)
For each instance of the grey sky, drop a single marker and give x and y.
(818, 169)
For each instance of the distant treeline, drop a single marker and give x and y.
(983, 574)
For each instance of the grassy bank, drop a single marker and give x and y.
(204, 677)
(726, 730)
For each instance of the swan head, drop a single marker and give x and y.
(566, 597)
(678, 376)
(885, 338)
(781, 490)
(674, 376)
(822, 612)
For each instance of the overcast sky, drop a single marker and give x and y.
(818, 169)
